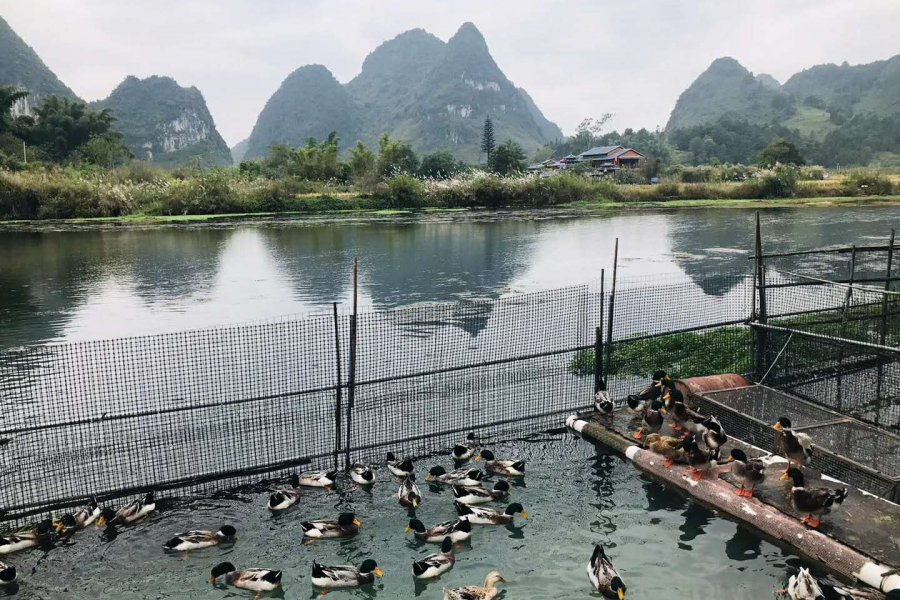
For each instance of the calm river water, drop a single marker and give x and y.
(79, 285)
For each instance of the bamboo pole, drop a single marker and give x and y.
(612, 306)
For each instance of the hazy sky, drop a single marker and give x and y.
(577, 58)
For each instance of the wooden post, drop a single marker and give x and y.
(599, 376)
(351, 375)
(762, 337)
(337, 408)
(612, 308)
(882, 335)
(844, 314)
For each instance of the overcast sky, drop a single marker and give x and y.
(577, 58)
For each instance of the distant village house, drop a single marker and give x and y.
(602, 160)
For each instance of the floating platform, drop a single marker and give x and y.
(859, 542)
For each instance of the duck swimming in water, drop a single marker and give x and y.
(465, 450)
(488, 516)
(195, 540)
(16, 542)
(8, 574)
(346, 525)
(286, 498)
(130, 513)
(255, 580)
(362, 474)
(458, 531)
(435, 564)
(474, 592)
(399, 468)
(83, 518)
(409, 494)
(471, 477)
(505, 467)
(603, 575)
(803, 586)
(344, 576)
(480, 495)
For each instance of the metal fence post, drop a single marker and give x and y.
(762, 336)
(882, 335)
(612, 309)
(844, 314)
(337, 408)
(351, 375)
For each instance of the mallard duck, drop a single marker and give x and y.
(470, 477)
(346, 525)
(813, 501)
(653, 419)
(669, 384)
(714, 437)
(603, 404)
(797, 446)
(803, 586)
(8, 574)
(81, 519)
(508, 468)
(362, 474)
(255, 580)
(749, 473)
(465, 450)
(286, 498)
(603, 575)
(480, 495)
(399, 468)
(457, 531)
(639, 402)
(682, 416)
(700, 460)
(671, 449)
(320, 479)
(195, 540)
(344, 576)
(487, 516)
(15, 542)
(435, 564)
(130, 513)
(409, 494)
(473, 592)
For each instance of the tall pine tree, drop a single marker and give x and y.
(487, 138)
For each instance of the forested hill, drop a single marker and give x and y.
(21, 66)
(839, 114)
(416, 87)
(166, 123)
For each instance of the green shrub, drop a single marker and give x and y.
(812, 174)
(867, 183)
(401, 190)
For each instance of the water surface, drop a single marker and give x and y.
(79, 285)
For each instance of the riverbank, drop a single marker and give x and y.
(66, 194)
(481, 214)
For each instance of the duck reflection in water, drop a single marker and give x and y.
(743, 545)
(696, 519)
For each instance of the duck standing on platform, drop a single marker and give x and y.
(683, 418)
(465, 450)
(671, 449)
(812, 501)
(638, 402)
(255, 580)
(652, 420)
(286, 498)
(505, 467)
(130, 513)
(749, 473)
(603, 404)
(797, 446)
(603, 575)
(700, 460)
(399, 468)
(473, 592)
(714, 437)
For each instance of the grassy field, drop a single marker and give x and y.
(811, 121)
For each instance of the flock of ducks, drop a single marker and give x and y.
(701, 439)
(698, 445)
